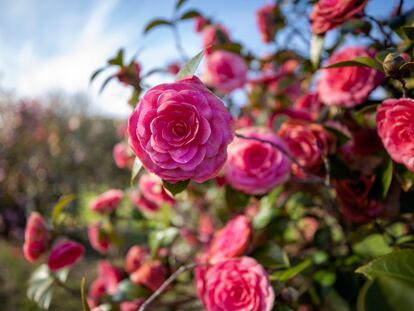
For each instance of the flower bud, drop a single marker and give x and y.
(392, 64)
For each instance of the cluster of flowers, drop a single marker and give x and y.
(182, 132)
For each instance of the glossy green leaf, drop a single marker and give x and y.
(325, 278)
(190, 67)
(398, 264)
(358, 62)
(190, 14)
(60, 206)
(136, 168)
(287, 274)
(175, 188)
(386, 177)
(41, 285)
(372, 246)
(155, 23)
(85, 305)
(267, 210)
(317, 44)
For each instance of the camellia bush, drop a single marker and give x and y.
(297, 197)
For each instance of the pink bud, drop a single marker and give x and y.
(35, 237)
(64, 254)
(135, 257)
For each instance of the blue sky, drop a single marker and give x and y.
(50, 45)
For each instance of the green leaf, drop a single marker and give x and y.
(96, 73)
(361, 61)
(325, 278)
(85, 305)
(190, 67)
(235, 199)
(380, 56)
(40, 286)
(409, 32)
(129, 291)
(391, 282)
(161, 238)
(372, 246)
(190, 14)
(179, 4)
(175, 188)
(398, 264)
(118, 59)
(267, 210)
(136, 168)
(317, 43)
(59, 207)
(386, 177)
(155, 23)
(341, 138)
(286, 275)
(271, 255)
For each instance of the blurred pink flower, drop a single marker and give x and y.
(36, 237)
(135, 258)
(107, 202)
(98, 238)
(123, 156)
(64, 254)
(151, 274)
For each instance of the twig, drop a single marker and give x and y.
(167, 282)
(387, 39)
(71, 291)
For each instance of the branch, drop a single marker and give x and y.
(167, 282)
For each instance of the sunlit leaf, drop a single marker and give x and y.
(190, 67)
(287, 274)
(136, 168)
(190, 14)
(161, 238)
(129, 291)
(317, 44)
(361, 61)
(59, 207)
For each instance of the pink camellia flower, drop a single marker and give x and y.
(309, 143)
(96, 292)
(200, 23)
(310, 103)
(266, 21)
(152, 189)
(180, 131)
(151, 274)
(107, 202)
(110, 275)
(135, 258)
(235, 285)
(395, 126)
(226, 71)
(214, 35)
(36, 237)
(255, 166)
(355, 200)
(205, 228)
(98, 238)
(231, 241)
(131, 305)
(123, 156)
(348, 86)
(64, 254)
(328, 14)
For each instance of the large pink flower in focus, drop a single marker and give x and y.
(64, 254)
(235, 285)
(328, 14)
(348, 86)
(231, 241)
(107, 202)
(256, 167)
(395, 126)
(225, 71)
(36, 237)
(181, 131)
